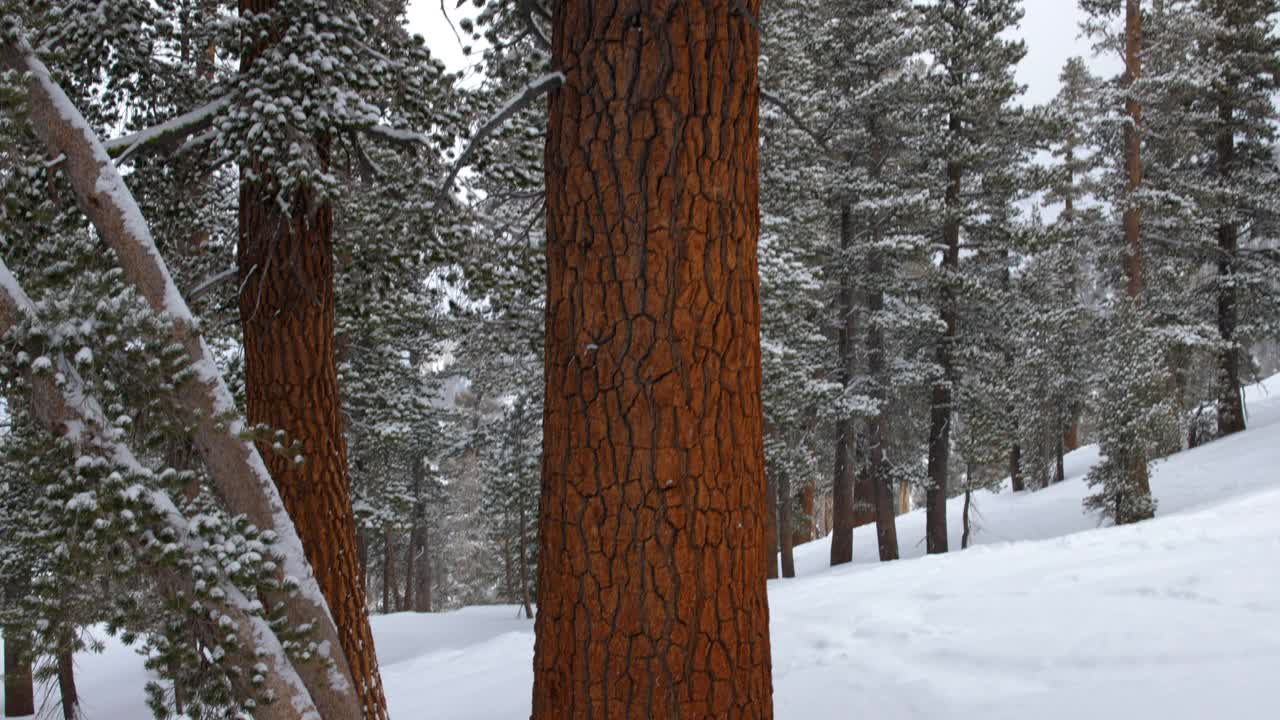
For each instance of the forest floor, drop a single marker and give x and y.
(1048, 616)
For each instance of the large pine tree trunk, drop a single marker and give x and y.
(842, 482)
(1133, 216)
(940, 396)
(651, 600)
(291, 383)
(1230, 401)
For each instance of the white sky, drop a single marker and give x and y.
(1051, 29)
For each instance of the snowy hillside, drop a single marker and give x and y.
(1048, 617)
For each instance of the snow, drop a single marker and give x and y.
(1047, 617)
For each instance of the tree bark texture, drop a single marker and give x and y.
(940, 395)
(842, 481)
(651, 603)
(286, 275)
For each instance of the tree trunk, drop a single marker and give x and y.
(842, 484)
(1015, 468)
(286, 278)
(1230, 399)
(524, 569)
(940, 397)
(786, 513)
(67, 679)
(878, 428)
(388, 570)
(410, 570)
(1059, 470)
(803, 531)
(651, 599)
(19, 689)
(964, 538)
(1133, 213)
(1071, 436)
(771, 526)
(422, 593)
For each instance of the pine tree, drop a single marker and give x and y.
(977, 137)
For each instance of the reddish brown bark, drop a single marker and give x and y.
(651, 599)
(291, 383)
(802, 532)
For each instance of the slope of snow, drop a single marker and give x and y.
(1048, 617)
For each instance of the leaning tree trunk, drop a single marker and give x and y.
(940, 396)
(1137, 466)
(1230, 400)
(651, 600)
(234, 465)
(842, 481)
(286, 285)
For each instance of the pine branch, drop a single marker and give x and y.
(531, 92)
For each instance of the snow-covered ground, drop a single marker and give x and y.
(1048, 616)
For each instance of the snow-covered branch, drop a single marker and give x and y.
(60, 403)
(531, 92)
(233, 463)
(169, 133)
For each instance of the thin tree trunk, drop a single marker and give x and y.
(878, 427)
(67, 683)
(410, 570)
(653, 415)
(786, 513)
(771, 527)
(1015, 468)
(964, 538)
(422, 595)
(286, 279)
(1133, 214)
(1230, 398)
(1060, 471)
(524, 569)
(388, 570)
(940, 396)
(842, 482)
